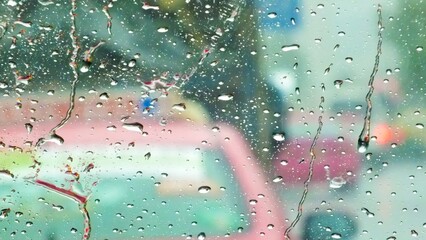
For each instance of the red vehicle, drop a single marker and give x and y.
(113, 154)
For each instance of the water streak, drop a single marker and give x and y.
(309, 178)
(108, 15)
(364, 137)
(73, 65)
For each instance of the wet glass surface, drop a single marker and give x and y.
(192, 119)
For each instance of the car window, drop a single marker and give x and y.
(211, 119)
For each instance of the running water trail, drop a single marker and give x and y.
(73, 65)
(364, 136)
(309, 178)
(80, 199)
(108, 15)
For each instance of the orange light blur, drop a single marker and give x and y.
(384, 134)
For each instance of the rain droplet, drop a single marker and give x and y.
(85, 66)
(277, 179)
(338, 83)
(272, 15)
(349, 59)
(419, 48)
(135, 127)
(111, 128)
(419, 125)
(279, 137)
(365, 210)
(337, 182)
(3, 85)
(291, 47)
(336, 236)
(201, 236)
(204, 189)
(225, 97)
(55, 139)
(179, 106)
(284, 162)
(104, 96)
(362, 146)
(57, 207)
(414, 233)
(29, 127)
(147, 155)
(132, 63)
(162, 29)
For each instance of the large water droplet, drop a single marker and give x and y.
(225, 97)
(336, 236)
(135, 127)
(55, 139)
(201, 236)
(272, 15)
(277, 179)
(132, 63)
(338, 83)
(29, 127)
(420, 125)
(291, 47)
(362, 146)
(279, 137)
(162, 29)
(337, 182)
(204, 189)
(179, 106)
(104, 96)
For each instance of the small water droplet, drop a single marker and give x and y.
(419, 48)
(132, 63)
(85, 66)
(336, 236)
(57, 207)
(279, 137)
(362, 146)
(349, 59)
(277, 179)
(338, 83)
(147, 155)
(297, 91)
(272, 15)
(111, 128)
(414, 233)
(73, 230)
(284, 162)
(291, 47)
(29, 127)
(337, 182)
(365, 210)
(3, 85)
(104, 96)
(162, 29)
(419, 125)
(201, 236)
(225, 97)
(204, 189)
